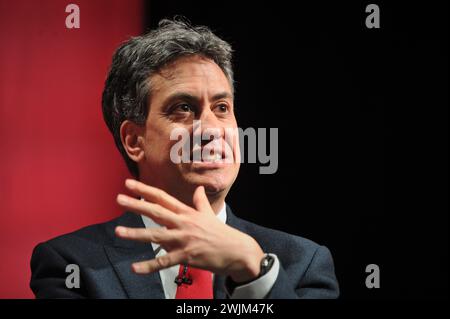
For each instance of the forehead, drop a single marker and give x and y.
(190, 73)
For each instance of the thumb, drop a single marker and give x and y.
(201, 201)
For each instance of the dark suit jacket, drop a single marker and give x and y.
(104, 260)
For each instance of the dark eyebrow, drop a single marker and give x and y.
(194, 99)
(222, 95)
(181, 96)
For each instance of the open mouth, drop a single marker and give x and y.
(212, 152)
(200, 156)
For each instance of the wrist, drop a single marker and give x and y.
(251, 267)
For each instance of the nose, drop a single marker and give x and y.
(209, 127)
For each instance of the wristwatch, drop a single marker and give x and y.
(265, 266)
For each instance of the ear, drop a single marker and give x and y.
(132, 137)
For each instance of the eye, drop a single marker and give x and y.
(184, 108)
(222, 108)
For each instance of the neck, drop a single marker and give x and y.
(217, 206)
(185, 195)
(216, 199)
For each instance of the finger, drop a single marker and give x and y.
(168, 260)
(156, 235)
(156, 195)
(156, 212)
(200, 200)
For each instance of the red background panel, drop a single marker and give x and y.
(59, 168)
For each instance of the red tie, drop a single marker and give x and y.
(200, 286)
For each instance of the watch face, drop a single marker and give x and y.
(266, 264)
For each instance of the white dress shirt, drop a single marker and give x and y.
(256, 289)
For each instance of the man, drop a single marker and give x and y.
(178, 238)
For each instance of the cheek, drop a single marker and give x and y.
(158, 144)
(231, 146)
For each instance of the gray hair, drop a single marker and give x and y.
(128, 88)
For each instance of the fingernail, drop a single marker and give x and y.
(121, 230)
(130, 183)
(137, 268)
(122, 199)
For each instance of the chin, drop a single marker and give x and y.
(211, 189)
(213, 186)
(213, 183)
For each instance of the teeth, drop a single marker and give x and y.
(212, 158)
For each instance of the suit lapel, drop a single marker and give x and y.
(125, 252)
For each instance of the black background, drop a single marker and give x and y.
(362, 117)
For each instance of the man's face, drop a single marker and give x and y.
(190, 89)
